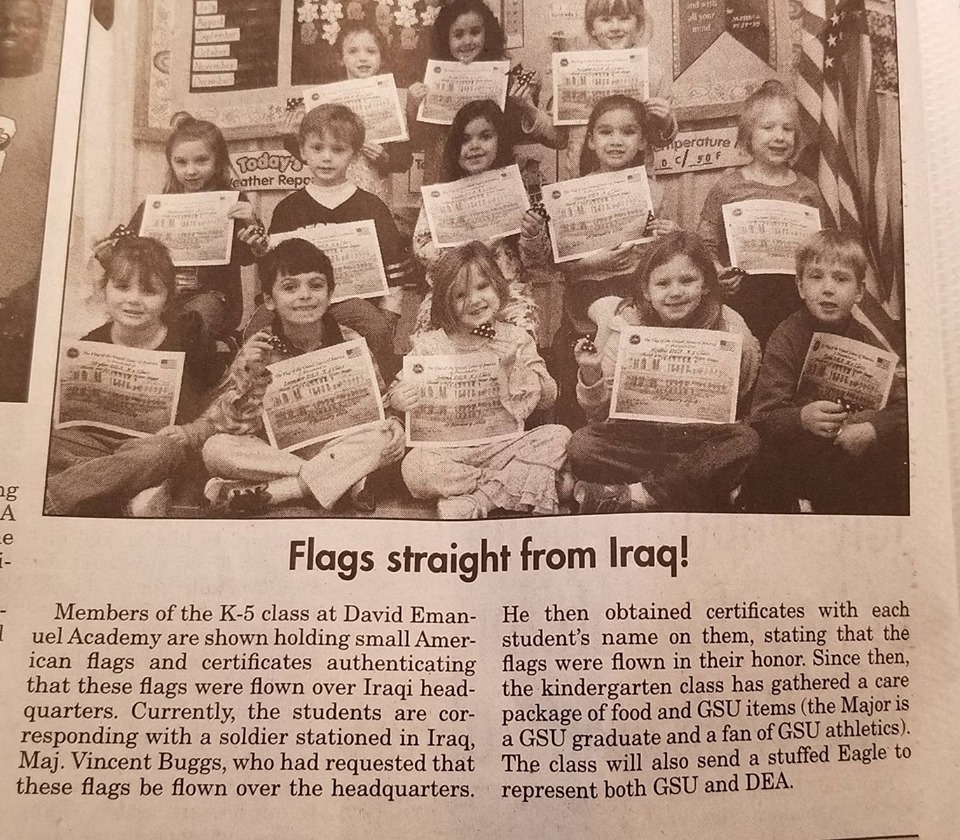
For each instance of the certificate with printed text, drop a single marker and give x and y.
(459, 401)
(597, 212)
(485, 206)
(374, 100)
(581, 79)
(763, 235)
(321, 395)
(122, 389)
(676, 375)
(845, 370)
(451, 85)
(194, 226)
(354, 251)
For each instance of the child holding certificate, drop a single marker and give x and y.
(360, 51)
(596, 283)
(250, 475)
(331, 138)
(518, 474)
(467, 31)
(478, 143)
(769, 132)
(637, 465)
(840, 457)
(360, 48)
(623, 25)
(198, 161)
(95, 471)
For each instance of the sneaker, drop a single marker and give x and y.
(363, 501)
(236, 498)
(602, 498)
(152, 502)
(459, 507)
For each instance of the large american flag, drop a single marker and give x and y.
(839, 109)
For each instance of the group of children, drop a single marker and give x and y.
(780, 450)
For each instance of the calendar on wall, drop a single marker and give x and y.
(235, 45)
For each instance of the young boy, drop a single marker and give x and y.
(331, 137)
(841, 460)
(250, 475)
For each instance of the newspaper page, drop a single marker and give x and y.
(486, 206)
(451, 85)
(194, 226)
(676, 376)
(369, 669)
(321, 395)
(123, 389)
(763, 235)
(599, 211)
(581, 79)
(354, 252)
(844, 370)
(374, 98)
(460, 401)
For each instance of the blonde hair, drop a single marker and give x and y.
(338, 121)
(770, 91)
(845, 248)
(621, 8)
(450, 272)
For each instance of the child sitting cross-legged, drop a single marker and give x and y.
(521, 474)
(839, 458)
(249, 474)
(99, 472)
(638, 465)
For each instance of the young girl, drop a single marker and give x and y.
(623, 25)
(198, 161)
(478, 143)
(93, 470)
(596, 284)
(769, 132)
(631, 465)
(518, 475)
(467, 31)
(360, 52)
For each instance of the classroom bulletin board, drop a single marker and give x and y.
(237, 62)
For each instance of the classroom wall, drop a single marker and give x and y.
(117, 170)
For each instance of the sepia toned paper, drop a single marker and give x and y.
(851, 372)
(581, 79)
(599, 211)
(763, 235)
(451, 85)
(194, 226)
(123, 389)
(321, 395)
(354, 252)
(374, 100)
(460, 401)
(676, 376)
(486, 206)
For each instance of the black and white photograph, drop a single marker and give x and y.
(649, 360)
